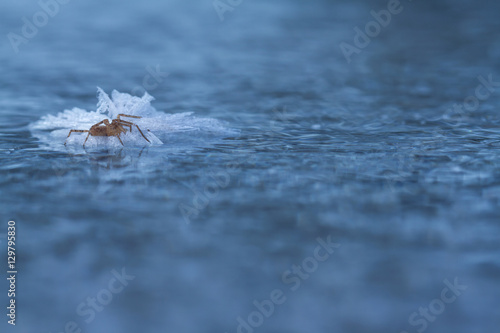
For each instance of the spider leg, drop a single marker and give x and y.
(126, 123)
(105, 121)
(118, 136)
(142, 133)
(78, 131)
(86, 139)
(126, 115)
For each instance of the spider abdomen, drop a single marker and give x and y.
(100, 131)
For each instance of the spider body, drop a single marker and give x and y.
(105, 128)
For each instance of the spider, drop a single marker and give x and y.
(115, 128)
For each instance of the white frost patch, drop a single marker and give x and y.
(158, 127)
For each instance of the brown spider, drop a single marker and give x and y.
(115, 128)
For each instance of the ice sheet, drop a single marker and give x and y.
(157, 126)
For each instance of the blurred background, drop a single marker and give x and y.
(387, 151)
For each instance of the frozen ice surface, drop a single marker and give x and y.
(157, 126)
(365, 152)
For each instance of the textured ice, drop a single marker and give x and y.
(158, 127)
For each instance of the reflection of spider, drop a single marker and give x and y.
(115, 128)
